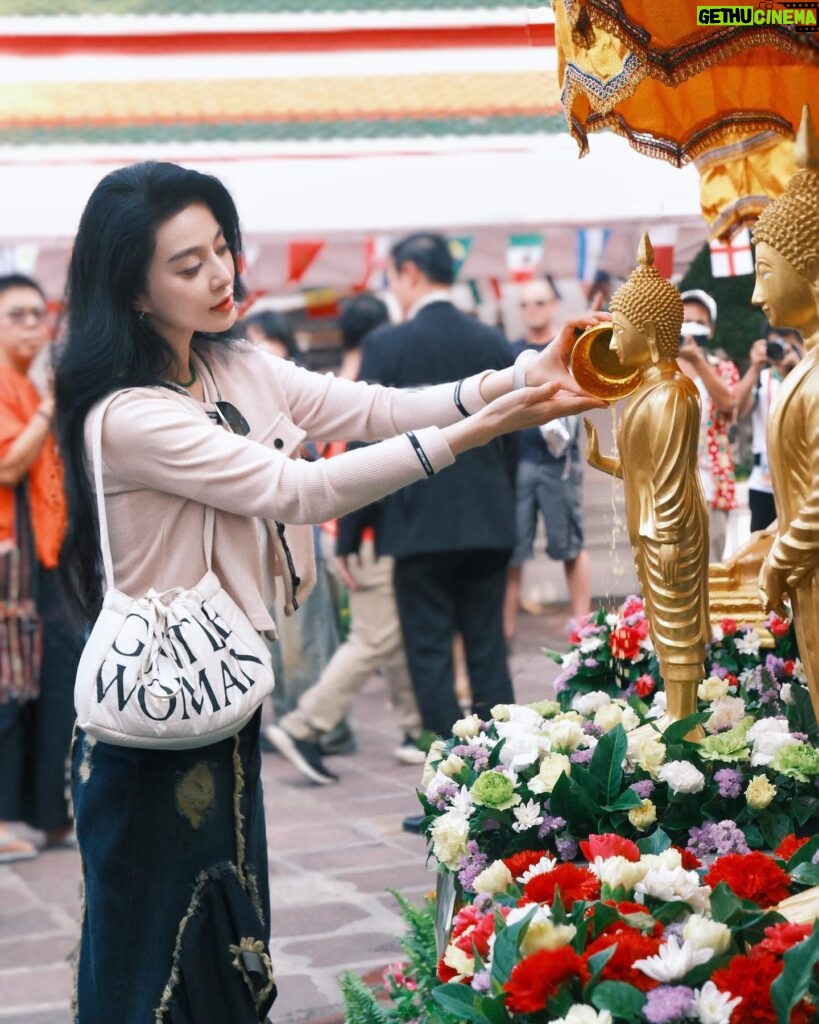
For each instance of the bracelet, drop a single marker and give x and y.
(45, 415)
(519, 372)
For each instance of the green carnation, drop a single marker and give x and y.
(797, 760)
(731, 745)
(494, 790)
(545, 708)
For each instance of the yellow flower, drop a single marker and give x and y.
(712, 689)
(466, 728)
(545, 934)
(760, 792)
(651, 756)
(495, 878)
(451, 766)
(643, 816)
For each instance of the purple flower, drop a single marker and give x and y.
(668, 1003)
(590, 663)
(729, 781)
(549, 826)
(471, 865)
(590, 729)
(478, 755)
(643, 789)
(480, 981)
(717, 838)
(566, 848)
(815, 858)
(581, 756)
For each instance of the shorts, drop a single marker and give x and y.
(540, 486)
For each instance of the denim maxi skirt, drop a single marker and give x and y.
(176, 909)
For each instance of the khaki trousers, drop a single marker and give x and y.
(374, 644)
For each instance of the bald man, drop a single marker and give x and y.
(549, 477)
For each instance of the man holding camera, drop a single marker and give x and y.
(772, 358)
(716, 378)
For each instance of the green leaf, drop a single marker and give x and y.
(804, 855)
(796, 976)
(774, 828)
(492, 1010)
(627, 799)
(724, 903)
(803, 808)
(657, 842)
(507, 942)
(571, 802)
(596, 964)
(801, 716)
(459, 1000)
(620, 999)
(677, 731)
(668, 912)
(806, 873)
(607, 763)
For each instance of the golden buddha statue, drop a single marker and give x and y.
(666, 513)
(787, 288)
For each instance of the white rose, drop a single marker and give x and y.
(658, 705)
(520, 750)
(495, 878)
(434, 753)
(500, 712)
(590, 644)
(786, 693)
(588, 703)
(650, 756)
(524, 718)
(607, 717)
(564, 735)
(712, 688)
(545, 934)
(580, 1013)
(726, 712)
(682, 777)
(768, 735)
(551, 768)
(703, 933)
(466, 728)
(618, 872)
(450, 834)
(451, 766)
(630, 719)
(677, 884)
(669, 858)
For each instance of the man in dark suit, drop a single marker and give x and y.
(451, 536)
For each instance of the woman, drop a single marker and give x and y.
(39, 645)
(176, 912)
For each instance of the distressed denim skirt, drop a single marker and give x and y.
(176, 909)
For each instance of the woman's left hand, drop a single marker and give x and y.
(552, 364)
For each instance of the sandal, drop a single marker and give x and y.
(14, 848)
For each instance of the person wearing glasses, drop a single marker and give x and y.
(176, 912)
(39, 648)
(549, 479)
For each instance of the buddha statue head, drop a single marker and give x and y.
(786, 237)
(647, 314)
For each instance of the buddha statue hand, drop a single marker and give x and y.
(669, 563)
(603, 462)
(772, 589)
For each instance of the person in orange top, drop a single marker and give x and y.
(39, 644)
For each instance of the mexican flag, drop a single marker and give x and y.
(523, 254)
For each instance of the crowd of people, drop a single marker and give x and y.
(426, 532)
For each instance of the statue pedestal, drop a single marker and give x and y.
(733, 585)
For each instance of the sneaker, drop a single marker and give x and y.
(13, 848)
(302, 754)
(409, 752)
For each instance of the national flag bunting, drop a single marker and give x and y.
(300, 255)
(523, 254)
(734, 258)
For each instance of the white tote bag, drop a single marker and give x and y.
(175, 670)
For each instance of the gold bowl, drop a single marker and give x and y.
(597, 369)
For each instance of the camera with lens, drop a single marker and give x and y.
(775, 350)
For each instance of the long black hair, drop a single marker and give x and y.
(107, 346)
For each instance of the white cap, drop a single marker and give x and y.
(704, 299)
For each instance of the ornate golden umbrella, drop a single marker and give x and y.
(726, 96)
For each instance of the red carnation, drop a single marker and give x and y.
(519, 863)
(574, 884)
(789, 667)
(728, 627)
(779, 627)
(633, 606)
(536, 978)
(689, 860)
(645, 686)
(732, 681)
(788, 847)
(630, 945)
(472, 930)
(446, 973)
(609, 845)
(751, 977)
(780, 937)
(751, 876)
(625, 643)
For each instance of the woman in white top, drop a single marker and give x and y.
(176, 917)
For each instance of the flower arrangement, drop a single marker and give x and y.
(641, 933)
(612, 651)
(541, 777)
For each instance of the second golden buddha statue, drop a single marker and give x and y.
(666, 512)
